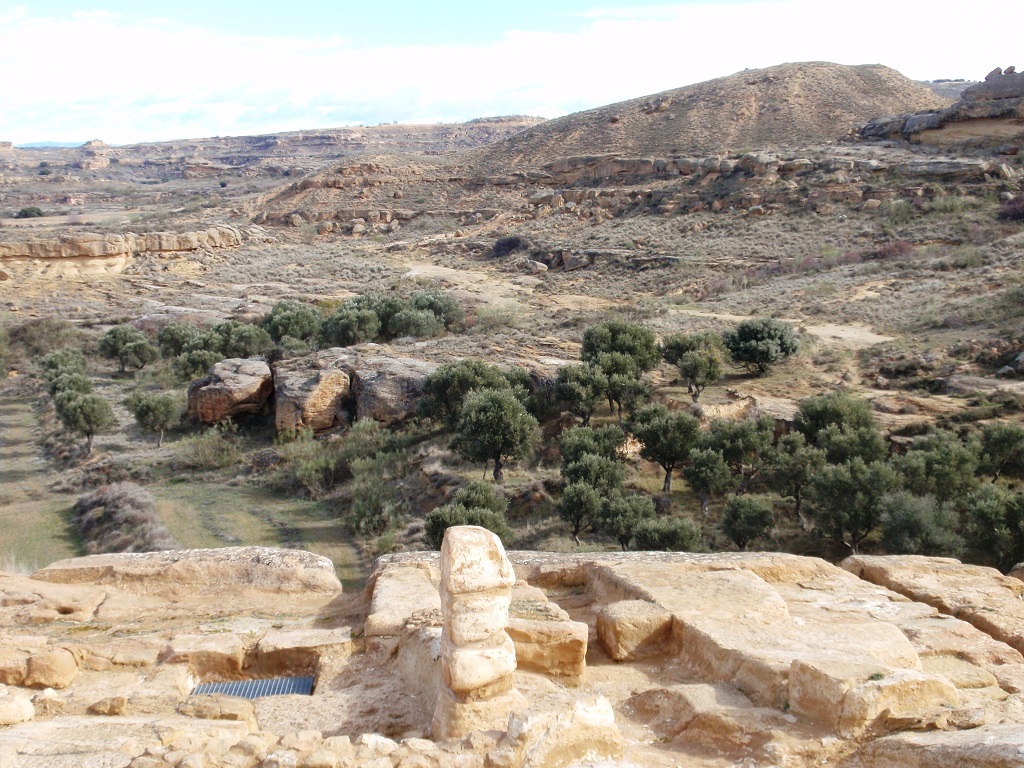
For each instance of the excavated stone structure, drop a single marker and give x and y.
(477, 655)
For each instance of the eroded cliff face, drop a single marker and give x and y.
(649, 658)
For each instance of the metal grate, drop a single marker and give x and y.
(256, 689)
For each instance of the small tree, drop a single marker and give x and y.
(606, 441)
(194, 364)
(848, 499)
(445, 390)
(666, 438)
(744, 444)
(620, 516)
(292, 318)
(580, 388)
(842, 426)
(791, 468)
(579, 507)
(177, 338)
(708, 475)
(85, 415)
(635, 341)
(1002, 450)
(940, 465)
(746, 519)
(699, 358)
(620, 371)
(919, 525)
(602, 474)
(129, 346)
(758, 344)
(995, 525)
(65, 360)
(495, 426)
(443, 306)
(155, 413)
(69, 381)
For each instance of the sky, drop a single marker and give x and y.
(127, 71)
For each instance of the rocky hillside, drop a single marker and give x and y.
(782, 106)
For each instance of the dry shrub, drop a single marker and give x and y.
(120, 518)
(1013, 210)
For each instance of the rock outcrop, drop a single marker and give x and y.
(234, 387)
(200, 571)
(387, 389)
(313, 392)
(96, 245)
(477, 655)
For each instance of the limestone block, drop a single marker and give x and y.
(850, 696)
(314, 391)
(13, 666)
(466, 669)
(217, 656)
(15, 707)
(219, 707)
(634, 629)
(959, 672)
(991, 746)
(476, 617)
(586, 731)
(54, 669)
(556, 648)
(671, 709)
(388, 389)
(1010, 677)
(473, 560)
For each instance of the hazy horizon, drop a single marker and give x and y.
(198, 70)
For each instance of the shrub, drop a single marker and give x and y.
(39, 337)
(384, 306)
(474, 504)
(445, 390)
(177, 338)
(310, 466)
(66, 360)
(621, 515)
(212, 449)
(758, 344)
(443, 306)
(420, 323)
(1013, 210)
(635, 341)
(292, 318)
(600, 473)
(995, 525)
(672, 534)
(120, 518)
(30, 212)
(576, 442)
(349, 326)
(746, 519)
(129, 346)
(580, 388)
(69, 381)
(237, 339)
(506, 246)
(194, 364)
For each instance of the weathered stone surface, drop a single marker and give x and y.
(473, 666)
(474, 561)
(313, 392)
(1001, 86)
(398, 593)
(387, 389)
(96, 245)
(218, 707)
(209, 657)
(233, 387)
(297, 652)
(15, 706)
(586, 732)
(634, 629)
(981, 596)
(993, 746)
(200, 571)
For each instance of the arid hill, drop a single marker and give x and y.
(787, 105)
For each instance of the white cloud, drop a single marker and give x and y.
(96, 75)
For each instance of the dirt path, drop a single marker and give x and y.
(34, 521)
(849, 336)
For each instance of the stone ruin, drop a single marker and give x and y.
(478, 658)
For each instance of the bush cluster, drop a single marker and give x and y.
(79, 409)
(120, 518)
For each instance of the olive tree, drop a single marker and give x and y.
(580, 388)
(155, 413)
(760, 343)
(85, 415)
(666, 438)
(495, 426)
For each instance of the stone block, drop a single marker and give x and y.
(629, 630)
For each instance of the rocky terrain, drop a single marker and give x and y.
(472, 658)
(869, 213)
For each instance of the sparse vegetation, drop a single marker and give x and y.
(120, 518)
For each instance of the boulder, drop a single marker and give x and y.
(52, 669)
(998, 85)
(992, 746)
(551, 647)
(200, 571)
(387, 389)
(233, 387)
(217, 656)
(586, 731)
(313, 392)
